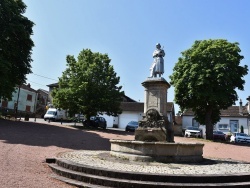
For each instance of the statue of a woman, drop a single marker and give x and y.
(158, 64)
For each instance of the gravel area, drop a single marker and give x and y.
(24, 147)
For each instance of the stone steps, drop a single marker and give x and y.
(86, 176)
(76, 183)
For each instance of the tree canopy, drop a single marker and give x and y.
(89, 86)
(15, 46)
(205, 79)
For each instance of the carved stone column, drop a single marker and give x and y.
(156, 94)
(155, 125)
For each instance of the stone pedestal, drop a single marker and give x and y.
(156, 94)
(155, 125)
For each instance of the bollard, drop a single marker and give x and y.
(61, 121)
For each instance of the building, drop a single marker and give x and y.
(131, 111)
(29, 100)
(232, 119)
(42, 101)
(51, 87)
(23, 99)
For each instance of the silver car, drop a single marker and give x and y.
(193, 132)
(240, 137)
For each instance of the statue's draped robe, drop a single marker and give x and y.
(158, 64)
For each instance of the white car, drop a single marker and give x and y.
(193, 132)
(240, 137)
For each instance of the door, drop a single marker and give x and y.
(234, 125)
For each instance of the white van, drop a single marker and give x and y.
(54, 114)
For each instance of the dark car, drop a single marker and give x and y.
(96, 121)
(219, 135)
(131, 126)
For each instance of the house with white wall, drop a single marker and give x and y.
(131, 111)
(231, 119)
(23, 99)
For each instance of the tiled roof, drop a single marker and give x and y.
(127, 99)
(139, 106)
(132, 106)
(27, 87)
(232, 111)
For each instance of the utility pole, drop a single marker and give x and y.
(17, 101)
(35, 104)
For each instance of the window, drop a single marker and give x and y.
(223, 127)
(29, 97)
(28, 108)
(195, 123)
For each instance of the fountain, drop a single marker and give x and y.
(154, 139)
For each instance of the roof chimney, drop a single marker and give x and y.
(28, 85)
(240, 108)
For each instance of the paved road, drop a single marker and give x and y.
(24, 146)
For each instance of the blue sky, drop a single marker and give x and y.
(127, 30)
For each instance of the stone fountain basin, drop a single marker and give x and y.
(165, 152)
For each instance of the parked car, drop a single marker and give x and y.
(131, 126)
(96, 121)
(219, 135)
(193, 132)
(240, 137)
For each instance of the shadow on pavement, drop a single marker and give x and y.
(41, 134)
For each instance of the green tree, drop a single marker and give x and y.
(89, 85)
(15, 46)
(205, 79)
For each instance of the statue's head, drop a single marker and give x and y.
(158, 45)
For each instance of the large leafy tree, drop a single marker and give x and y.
(15, 46)
(89, 86)
(205, 79)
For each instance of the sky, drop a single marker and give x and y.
(128, 30)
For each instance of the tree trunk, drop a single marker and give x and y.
(209, 126)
